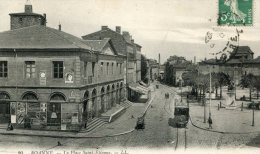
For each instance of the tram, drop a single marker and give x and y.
(181, 114)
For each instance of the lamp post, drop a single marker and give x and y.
(181, 89)
(209, 92)
(253, 118)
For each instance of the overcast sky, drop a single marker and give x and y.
(169, 27)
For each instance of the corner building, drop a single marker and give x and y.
(55, 80)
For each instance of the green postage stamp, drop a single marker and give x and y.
(235, 12)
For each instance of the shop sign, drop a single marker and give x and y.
(43, 78)
(69, 77)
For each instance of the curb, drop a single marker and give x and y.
(221, 132)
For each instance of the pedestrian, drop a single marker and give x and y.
(10, 126)
(210, 123)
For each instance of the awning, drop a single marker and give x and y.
(143, 84)
(146, 90)
(135, 88)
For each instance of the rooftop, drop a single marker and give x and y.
(40, 37)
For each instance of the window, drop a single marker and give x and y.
(93, 68)
(112, 68)
(3, 69)
(20, 19)
(85, 69)
(101, 68)
(120, 68)
(107, 68)
(58, 69)
(30, 69)
(117, 67)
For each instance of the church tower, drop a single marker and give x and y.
(27, 18)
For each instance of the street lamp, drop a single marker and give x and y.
(209, 92)
(253, 118)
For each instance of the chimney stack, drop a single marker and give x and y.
(59, 27)
(118, 29)
(104, 27)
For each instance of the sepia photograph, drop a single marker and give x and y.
(129, 76)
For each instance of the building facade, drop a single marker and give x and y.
(55, 80)
(240, 62)
(124, 45)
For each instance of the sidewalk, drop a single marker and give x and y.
(229, 120)
(122, 125)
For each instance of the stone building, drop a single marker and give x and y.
(153, 69)
(125, 45)
(27, 18)
(55, 80)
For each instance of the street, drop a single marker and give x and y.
(157, 133)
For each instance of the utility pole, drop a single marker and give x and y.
(253, 120)
(210, 92)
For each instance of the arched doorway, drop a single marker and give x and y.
(103, 100)
(108, 100)
(94, 110)
(86, 114)
(4, 107)
(54, 109)
(113, 95)
(32, 109)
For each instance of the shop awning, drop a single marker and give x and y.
(135, 87)
(143, 84)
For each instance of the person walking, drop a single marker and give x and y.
(210, 123)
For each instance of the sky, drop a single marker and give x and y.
(168, 27)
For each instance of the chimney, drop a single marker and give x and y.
(118, 29)
(45, 20)
(127, 36)
(133, 41)
(104, 27)
(59, 27)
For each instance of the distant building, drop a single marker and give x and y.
(240, 62)
(153, 69)
(176, 66)
(56, 80)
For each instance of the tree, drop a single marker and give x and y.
(248, 81)
(222, 79)
(144, 69)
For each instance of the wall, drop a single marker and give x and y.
(26, 21)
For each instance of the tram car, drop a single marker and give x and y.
(140, 123)
(181, 116)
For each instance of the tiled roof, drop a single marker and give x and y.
(40, 37)
(97, 45)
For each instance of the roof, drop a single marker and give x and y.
(101, 34)
(25, 14)
(99, 45)
(242, 50)
(96, 45)
(40, 37)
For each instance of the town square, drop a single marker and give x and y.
(120, 77)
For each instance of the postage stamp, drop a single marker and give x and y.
(235, 12)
